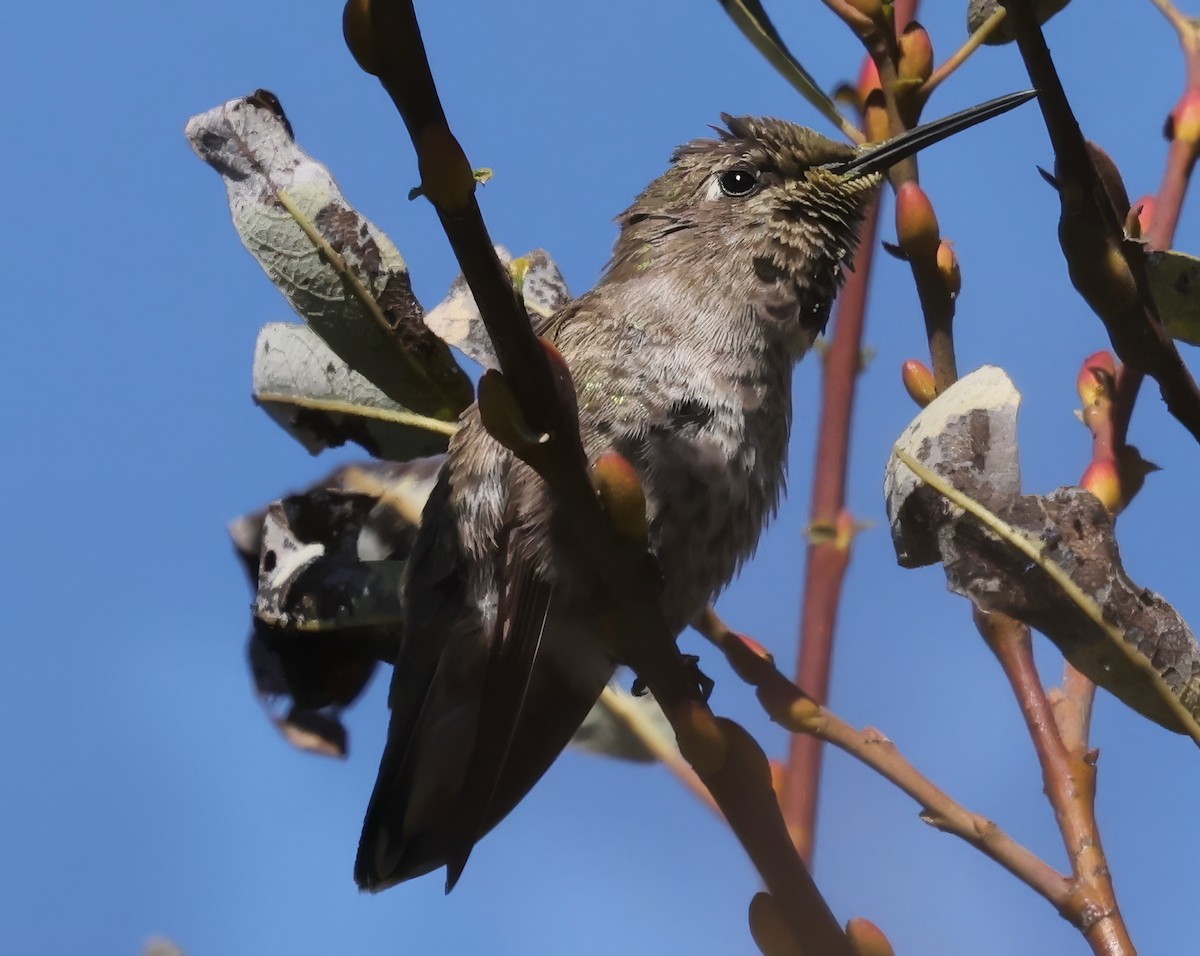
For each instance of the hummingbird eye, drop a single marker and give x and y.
(739, 181)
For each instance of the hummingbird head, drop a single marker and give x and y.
(767, 202)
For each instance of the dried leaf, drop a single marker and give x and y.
(621, 724)
(323, 403)
(1050, 561)
(456, 318)
(326, 564)
(340, 272)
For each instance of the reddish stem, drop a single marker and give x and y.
(1069, 779)
(829, 557)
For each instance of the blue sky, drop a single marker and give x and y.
(143, 790)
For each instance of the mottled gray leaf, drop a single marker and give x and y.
(979, 11)
(341, 273)
(323, 403)
(619, 725)
(456, 318)
(1124, 637)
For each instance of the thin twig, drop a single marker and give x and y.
(963, 53)
(798, 713)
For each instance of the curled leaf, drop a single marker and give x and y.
(338, 270)
(1051, 561)
(326, 566)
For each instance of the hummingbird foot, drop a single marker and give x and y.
(692, 661)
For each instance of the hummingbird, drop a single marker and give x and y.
(723, 274)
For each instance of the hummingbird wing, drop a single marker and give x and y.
(522, 610)
(478, 713)
(436, 571)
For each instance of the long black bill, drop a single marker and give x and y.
(885, 155)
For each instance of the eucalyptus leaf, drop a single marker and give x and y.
(339, 271)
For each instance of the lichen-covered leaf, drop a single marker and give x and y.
(323, 403)
(339, 271)
(1126, 638)
(1175, 285)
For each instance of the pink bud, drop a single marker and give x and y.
(1102, 480)
(868, 79)
(1095, 380)
(918, 382)
(1185, 119)
(916, 223)
(916, 53)
(947, 263)
(867, 939)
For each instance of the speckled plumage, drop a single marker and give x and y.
(682, 359)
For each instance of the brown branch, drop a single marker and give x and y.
(1072, 705)
(794, 710)
(829, 535)
(385, 39)
(1106, 268)
(1069, 778)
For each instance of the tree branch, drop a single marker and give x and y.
(1069, 778)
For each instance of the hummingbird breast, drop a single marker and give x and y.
(695, 390)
